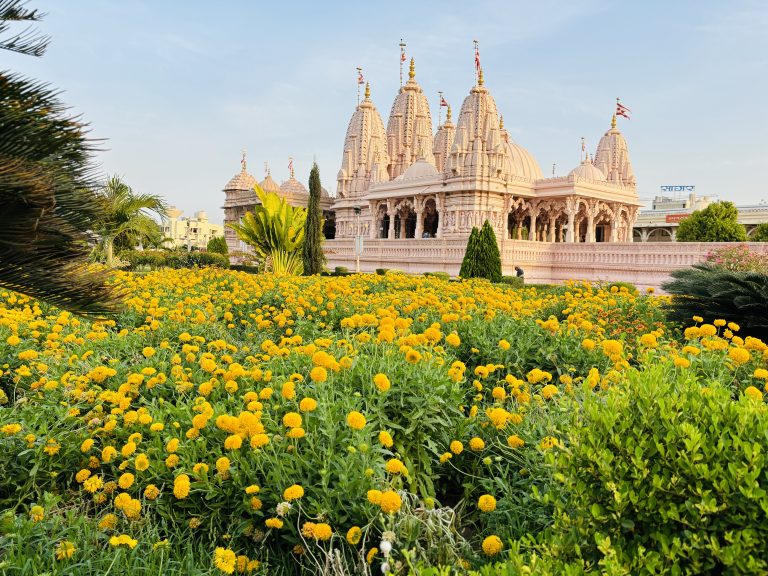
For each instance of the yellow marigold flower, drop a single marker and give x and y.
(123, 540)
(293, 492)
(82, 475)
(381, 381)
(172, 461)
(445, 456)
(37, 513)
(13, 340)
(492, 545)
(86, 445)
(292, 420)
(691, 350)
(181, 486)
(549, 391)
(128, 449)
(252, 489)
(649, 340)
(698, 319)
(753, 393)
(395, 466)
(739, 355)
(504, 345)
(390, 502)
(371, 555)
(322, 531)
(588, 344)
(296, 433)
(353, 535)
(200, 468)
(761, 373)
(707, 330)
(273, 523)
(233, 442)
(126, 481)
(288, 391)
(515, 441)
(52, 447)
(453, 339)
(151, 492)
(413, 356)
(356, 420)
(308, 405)
(259, 440)
(456, 447)
(385, 438)
(141, 463)
(476, 444)
(222, 465)
(224, 559)
(148, 352)
(681, 362)
(172, 445)
(733, 326)
(93, 484)
(499, 417)
(109, 522)
(11, 429)
(487, 503)
(548, 442)
(256, 503)
(374, 496)
(719, 322)
(65, 550)
(499, 393)
(535, 376)
(308, 530)
(318, 374)
(611, 347)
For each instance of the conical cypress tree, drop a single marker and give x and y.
(312, 251)
(468, 267)
(489, 255)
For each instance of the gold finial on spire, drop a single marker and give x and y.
(448, 116)
(412, 71)
(242, 161)
(367, 90)
(266, 169)
(501, 122)
(480, 77)
(613, 121)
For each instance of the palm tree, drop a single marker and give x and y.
(127, 222)
(46, 187)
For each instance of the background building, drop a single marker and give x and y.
(193, 232)
(660, 222)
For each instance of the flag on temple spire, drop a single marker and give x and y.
(360, 79)
(443, 102)
(477, 55)
(622, 110)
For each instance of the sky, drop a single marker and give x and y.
(178, 88)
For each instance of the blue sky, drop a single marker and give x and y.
(179, 88)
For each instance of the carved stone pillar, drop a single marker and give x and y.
(419, 224)
(532, 230)
(441, 214)
(590, 228)
(391, 231)
(552, 226)
(402, 227)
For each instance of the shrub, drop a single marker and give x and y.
(217, 245)
(514, 281)
(738, 259)
(482, 258)
(381, 271)
(663, 473)
(470, 256)
(156, 259)
(718, 222)
(713, 293)
(631, 288)
(760, 233)
(341, 270)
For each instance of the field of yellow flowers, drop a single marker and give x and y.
(234, 423)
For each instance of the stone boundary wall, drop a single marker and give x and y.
(645, 264)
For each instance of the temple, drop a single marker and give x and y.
(406, 182)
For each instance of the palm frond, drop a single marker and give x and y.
(29, 41)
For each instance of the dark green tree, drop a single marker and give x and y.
(470, 255)
(760, 233)
(312, 251)
(488, 257)
(218, 245)
(718, 222)
(47, 187)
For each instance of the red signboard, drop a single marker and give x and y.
(674, 218)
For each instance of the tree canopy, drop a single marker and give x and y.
(717, 222)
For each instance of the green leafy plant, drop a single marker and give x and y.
(713, 293)
(760, 233)
(275, 230)
(470, 255)
(218, 245)
(718, 222)
(312, 251)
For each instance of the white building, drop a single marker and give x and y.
(191, 232)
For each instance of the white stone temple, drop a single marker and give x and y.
(403, 181)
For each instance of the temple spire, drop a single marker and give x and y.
(367, 90)
(613, 121)
(448, 115)
(480, 80)
(501, 122)
(243, 161)
(412, 71)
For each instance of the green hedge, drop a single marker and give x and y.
(515, 281)
(156, 259)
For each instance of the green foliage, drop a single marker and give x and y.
(156, 259)
(760, 233)
(218, 245)
(713, 293)
(665, 477)
(381, 271)
(441, 275)
(312, 251)
(716, 223)
(341, 271)
(738, 258)
(275, 230)
(514, 281)
(467, 269)
(46, 183)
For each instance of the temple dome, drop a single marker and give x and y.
(478, 149)
(519, 161)
(612, 157)
(293, 187)
(409, 129)
(365, 155)
(588, 171)
(441, 147)
(419, 170)
(269, 184)
(241, 181)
